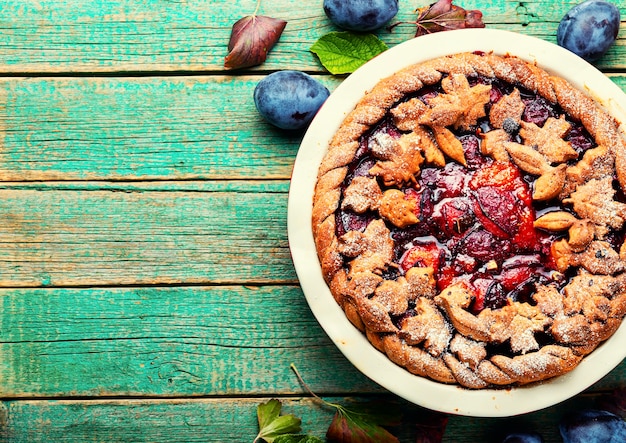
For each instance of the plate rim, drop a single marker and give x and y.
(349, 340)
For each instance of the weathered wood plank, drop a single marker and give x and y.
(176, 341)
(142, 129)
(126, 236)
(193, 341)
(138, 129)
(230, 420)
(141, 35)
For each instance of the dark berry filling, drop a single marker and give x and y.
(476, 225)
(476, 221)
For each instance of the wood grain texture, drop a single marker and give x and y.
(178, 341)
(157, 128)
(123, 236)
(192, 35)
(139, 129)
(232, 420)
(147, 292)
(172, 342)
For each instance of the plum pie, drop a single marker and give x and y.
(469, 218)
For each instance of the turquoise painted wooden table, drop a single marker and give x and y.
(147, 292)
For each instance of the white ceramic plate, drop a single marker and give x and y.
(351, 342)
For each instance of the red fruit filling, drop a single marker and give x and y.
(476, 221)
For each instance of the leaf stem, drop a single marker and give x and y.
(258, 5)
(303, 383)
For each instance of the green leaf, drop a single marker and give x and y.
(272, 424)
(298, 438)
(344, 52)
(268, 412)
(285, 424)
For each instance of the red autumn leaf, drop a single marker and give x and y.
(474, 19)
(444, 16)
(614, 401)
(430, 429)
(354, 427)
(251, 39)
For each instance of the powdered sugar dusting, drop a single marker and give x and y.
(428, 344)
(382, 145)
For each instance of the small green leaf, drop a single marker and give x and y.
(272, 424)
(285, 424)
(344, 52)
(298, 438)
(268, 412)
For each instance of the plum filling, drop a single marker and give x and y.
(476, 222)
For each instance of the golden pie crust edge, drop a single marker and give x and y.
(580, 331)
